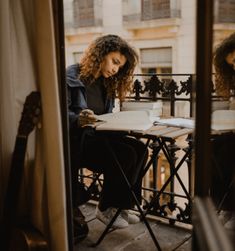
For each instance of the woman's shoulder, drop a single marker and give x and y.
(72, 70)
(72, 76)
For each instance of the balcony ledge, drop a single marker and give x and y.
(163, 22)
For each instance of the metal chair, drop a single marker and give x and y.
(108, 227)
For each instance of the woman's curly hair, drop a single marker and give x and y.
(224, 73)
(90, 64)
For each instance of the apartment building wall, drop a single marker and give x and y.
(176, 33)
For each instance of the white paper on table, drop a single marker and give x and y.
(179, 122)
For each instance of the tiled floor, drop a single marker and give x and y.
(135, 237)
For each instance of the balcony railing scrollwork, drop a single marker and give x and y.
(168, 88)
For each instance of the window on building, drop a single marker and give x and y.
(224, 11)
(83, 12)
(156, 57)
(135, 11)
(156, 60)
(154, 9)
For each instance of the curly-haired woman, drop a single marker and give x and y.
(105, 71)
(223, 181)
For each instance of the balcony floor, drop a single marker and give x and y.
(135, 237)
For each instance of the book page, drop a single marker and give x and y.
(126, 121)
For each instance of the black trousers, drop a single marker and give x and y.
(223, 171)
(100, 153)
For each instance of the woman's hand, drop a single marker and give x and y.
(87, 117)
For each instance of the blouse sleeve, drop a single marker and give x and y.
(76, 99)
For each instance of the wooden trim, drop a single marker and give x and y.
(203, 96)
(208, 233)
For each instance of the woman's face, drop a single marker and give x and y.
(111, 64)
(230, 59)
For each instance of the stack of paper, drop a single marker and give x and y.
(155, 107)
(140, 105)
(223, 120)
(220, 105)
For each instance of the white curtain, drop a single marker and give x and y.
(28, 63)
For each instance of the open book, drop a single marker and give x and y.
(154, 107)
(126, 121)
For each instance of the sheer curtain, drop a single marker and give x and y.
(28, 63)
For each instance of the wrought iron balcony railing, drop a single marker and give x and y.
(160, 180)
(168, 88)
